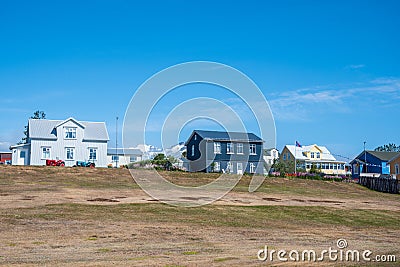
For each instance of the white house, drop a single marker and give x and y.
(123, 156)
(69, 140)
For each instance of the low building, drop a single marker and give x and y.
(5, 157)
(372, 163)
(394, 166)
(69, 140)
(230, 152)
(270, 156)
(312, 157)
(123, 156)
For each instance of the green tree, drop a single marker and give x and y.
(37, 115)
(388, 148)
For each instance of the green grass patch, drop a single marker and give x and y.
(190, 252)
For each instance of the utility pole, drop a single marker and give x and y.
(116, 143)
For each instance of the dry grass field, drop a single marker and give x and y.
(55, 216)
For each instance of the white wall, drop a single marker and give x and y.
(58, 148)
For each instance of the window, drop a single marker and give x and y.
(217, 166)
(217, 148)
(331, 166)
(252, 149)
(92, 153)
(70, 133)
(229, 167)
(192, 150)
(132, 159)
(195, 137)
(115, 158)
(252, 168)
(229, 148)
(288, 156)
(355, 168)
(70, 153)
(342, 166)
(396, 169)
(284, 156)
(239, 167)
(312, 155)
(239, 148)
(318, 155)
(22, 154)
(335, 166)
(45, 152)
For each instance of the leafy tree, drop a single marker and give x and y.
(165, 162)
(388, 148)
(37, 115)
(283, 167)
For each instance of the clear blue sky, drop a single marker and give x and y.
(329, 69)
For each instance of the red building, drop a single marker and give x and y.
(5, 157)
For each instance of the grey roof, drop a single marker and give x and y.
(124, 151)
(383, 155)
(228, 136)
(45, 129)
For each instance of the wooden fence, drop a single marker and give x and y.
(381, 184)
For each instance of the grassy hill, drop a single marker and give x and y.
(84, 217)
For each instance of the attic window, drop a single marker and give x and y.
(70, 133)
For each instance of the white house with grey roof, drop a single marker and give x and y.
(69, 140)
(123, 156)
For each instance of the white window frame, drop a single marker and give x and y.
(355, 169)
(92, 152)
(70, 151)
(217, 166)
(230, 148)
(318, 155)
(70, 131)
(229, 167)
(217, 148)
(239, 148)
(252, 167)
(312, 155)
(252, 149)
(132, 158)
(241, 167)
(192, 151)
(47, 151)
(114, 158)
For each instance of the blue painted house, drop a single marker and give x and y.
(373, 162)
(229, 152)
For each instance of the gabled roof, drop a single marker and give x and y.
(227, 136)
(297, 152)
(70, 119)
(383, 155)
(394, 158)
(124, 151)
(45, 129)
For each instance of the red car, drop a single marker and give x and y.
(53, 162)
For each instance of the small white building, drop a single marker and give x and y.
(123, 156)
(69, 140)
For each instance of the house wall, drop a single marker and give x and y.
(17, 158)
(122, 159)
(369, 169)
(58, 148)
(5, 157)
(395, 170)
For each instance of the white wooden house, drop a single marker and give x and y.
(69, 140)
(123, 156)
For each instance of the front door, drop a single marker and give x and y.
(239, 168)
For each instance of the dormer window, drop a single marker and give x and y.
(70, 133)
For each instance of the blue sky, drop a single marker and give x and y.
(329, 69)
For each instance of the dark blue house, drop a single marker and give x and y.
(373, 162)
(229, 152)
